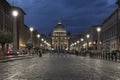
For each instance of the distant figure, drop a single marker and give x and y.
(58, 52)
(39, 54)
(76, 53)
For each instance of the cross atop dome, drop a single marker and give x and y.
(59, 21)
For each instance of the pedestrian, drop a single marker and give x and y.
(77, 53)
(109, 56)
(112, 56)
(115, 55)
(39, 54)
(57, 52)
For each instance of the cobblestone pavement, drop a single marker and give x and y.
(60, 67)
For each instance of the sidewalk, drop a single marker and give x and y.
(12, 58)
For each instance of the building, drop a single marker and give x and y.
(92, 39)
(25, 37)
(75, 42)
(48, 40)
(23, 32)
(111, 31)
(20, 32)
(7, 23)
(5, 17)
(6, 20)
(18, 27)
(60, 39)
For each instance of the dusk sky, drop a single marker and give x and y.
(76, 15)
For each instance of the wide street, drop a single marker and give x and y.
(60, 67)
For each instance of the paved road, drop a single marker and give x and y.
(60, 67)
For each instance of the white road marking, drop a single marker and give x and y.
(32, 66)
(11, 77)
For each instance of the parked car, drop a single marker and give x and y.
(115, 54)
(10, 52)
(115, 51)
(21, 52)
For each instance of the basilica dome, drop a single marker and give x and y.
(59, 27)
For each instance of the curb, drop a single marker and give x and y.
(15, 58)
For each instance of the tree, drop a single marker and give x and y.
(5, 37)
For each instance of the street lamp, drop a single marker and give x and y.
(98, 37)
(68, 43)
(45, 42)
(42, 39)
(98, 29)
(78, 46)
(15, 13)
(82, 39)
(42, 42)
(38, 36)
(78, 42)
(75, 43)
(15, 44)
(88, 36)
(31, 30)
(81, 42)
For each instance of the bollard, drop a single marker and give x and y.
(112, 56)
(115, 55)
(108, 56)
(119, 56)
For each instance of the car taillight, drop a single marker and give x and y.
(9, 52)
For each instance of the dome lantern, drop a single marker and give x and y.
(59, 21)
(59, 27)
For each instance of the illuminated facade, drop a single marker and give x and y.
(60, 40)
(6, 20)
(111, 32)
(22, 30)
(91, 43)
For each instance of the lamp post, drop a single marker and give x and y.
(78, 46)
(38, 36)
(30, 44)
(82, 40)
(15, 43)
(59, 44)
(45, 45)
(98, 38)
(78, 42)
(88, 36)
(68, 44)
(31, 30)
(42, 42)
(75, 45)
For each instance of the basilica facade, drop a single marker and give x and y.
(60, 39)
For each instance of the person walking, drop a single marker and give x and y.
(76, 53)
(39, 53)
